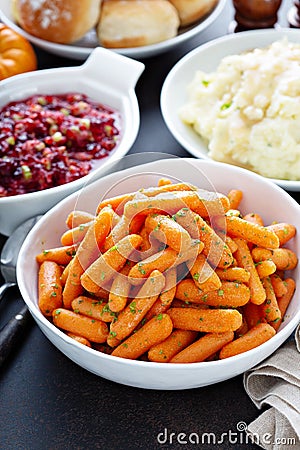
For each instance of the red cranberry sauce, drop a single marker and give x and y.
(50, 140)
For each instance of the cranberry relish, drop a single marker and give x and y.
(50, 140)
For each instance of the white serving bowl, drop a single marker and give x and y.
(105, 77)
(260, 195)
(207, 57)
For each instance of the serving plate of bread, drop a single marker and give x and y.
(135, 28)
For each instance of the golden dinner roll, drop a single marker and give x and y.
(134, 23)
(60, 21)
(192, 10)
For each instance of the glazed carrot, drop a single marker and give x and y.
(284, 258)
(60, 255)
(91, 329)
(254, 218)
(119, 201)
(278, 284)
(243, 328)
(65, 272)
(175, 343)
(284, 301)
(80, 339)
(204, 203)
(215, 249)
(49, 287)
(168, 231)
(181, 304)
(253, 338)
(103, 225)
(73, 287)
(251, 232)
(153, 332)
(119, 290)
(231, 244)
(109, 263)
(93, 308)
(270, 307)
(136, 310)
(230, 294)
(164, 182)
(165, 299)
(76, 218)
(235, 197)
(253, 314)
(284, 231)
(238, 274)
(265, 268)
(205, 278)
(162, 261)
(206, 320)
(75, 235)
(203, 348)
(244, 259)
(122, 229)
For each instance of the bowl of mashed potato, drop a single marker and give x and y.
(236, 99)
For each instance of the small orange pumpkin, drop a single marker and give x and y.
(16, 53)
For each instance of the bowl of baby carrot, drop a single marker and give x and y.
(173, 274)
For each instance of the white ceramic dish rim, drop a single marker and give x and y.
(127, 91)
(198, 148)
(277, 340)
(78, 52)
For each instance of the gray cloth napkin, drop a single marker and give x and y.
(275, 383)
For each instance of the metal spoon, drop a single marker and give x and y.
(11, 332)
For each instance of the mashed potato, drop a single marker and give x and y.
(248, 110)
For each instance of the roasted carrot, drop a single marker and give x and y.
(80, 339)
(93, 308)
(235, 197)
(251, 232)
(77, 218)
(253, 338)
(60, 255)
(203, 348)
(205, 278)
(284, 231)
(206, 320)
(175, 343)
(230, 294)
(100, 272)
(91, 329)
(270, 307)
(284, 301)
(136, 310)
(49, 287)
(153, 332)
(244, 259)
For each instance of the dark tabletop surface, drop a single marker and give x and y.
(48, 402)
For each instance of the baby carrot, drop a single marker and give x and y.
(206, 320)
(237, 274)
(231, 244)
(203, 275)
(284, 258)
(168, 231)
(165, 299)
(49, 287)
(253, 338)
(235, 197)
(240, 228)
(203, 348)
(284, 301)
(93, 308)
(76, 218)
(91, 329)
(230, 294)
(244, 259)
(164, 181)
(80, 339)
(73, 287)
(278, 284)
(153, 332)
(122, 229)
(60, 255)
(75, 235)
(254, 218)
(136, 310)
(175, 343)
(284, 231)
(270, 307)
(119, 290)
(265, 268)
(109, 263)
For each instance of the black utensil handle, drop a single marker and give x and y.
(12, 332)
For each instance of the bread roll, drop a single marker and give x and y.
(192, 10)
(133, 23)
(60, 21)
